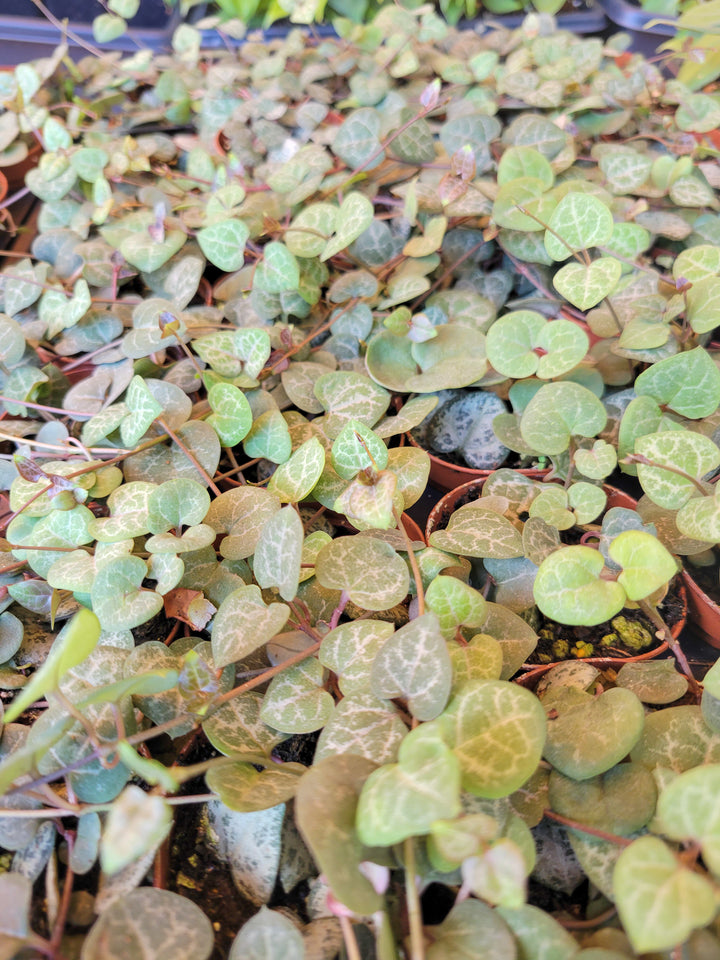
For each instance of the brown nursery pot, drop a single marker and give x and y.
(467, 492)
(704, 612)
(446, 476)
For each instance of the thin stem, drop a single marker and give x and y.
(592, 831)
(351, 945)
(639, 458)
(59, 927)
(417, 937)
(191, 457)
(261, 678)
(413, 562)
(654, 617)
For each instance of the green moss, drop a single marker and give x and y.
(631, 634)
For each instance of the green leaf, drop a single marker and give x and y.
(568, 587)
(625, 169)
(71, 646)
(143, 411)
(231, 418)
(148, 254)
(694, 263)
(310, 230)
(659, 900)
(269, 438)
(278, 270)
(268, 935)
(586, 285)
(240, 353)
(350, 650)
(677, 738)
(703, 303)
(295, 701)
(108, 27)
(278, 553)
(347, 396)
(692, 453)
(243, 623)
(589, 735)
(647, 564)
(688, 383)
(497, 731)
(469, 923)
(353, 218)
(455, 603)
(325, 809)
(118, 598)
(364, 726)
(137, 823)
(149, 922)
(403, 799)
(370, 570)
(654, 681)
(414, 664)
(578, 222)
(687, 811)
(523, 343)
(177, 503)
(575, 411)
(357, 142)
(357, 448)
(241, 787)
(59, 311)
(223, 243)
(538, 934)
(236, 728)
(478, 531)
(620, 801)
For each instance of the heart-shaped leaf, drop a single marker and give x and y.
(243, 623)
(294, 479)
(241, 787)
(278, 553)
(354, 216)
(414, 664)
(364, 726)
(370, 570)
(350, 650)
(590, 734)
(659, 900)
(568, 588)
(296, 701)
(455, 603)
(223, 243)
(559, 411)
(325, 808)
(153, 919)
(578, 222)
(497, 731)
(646, 563)
(585, 286)
(118, 598)
(231, 418)
(403, 799)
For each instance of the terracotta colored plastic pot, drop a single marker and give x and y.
(704, 612)
(446, 506)
(449, 476)
(3, 186)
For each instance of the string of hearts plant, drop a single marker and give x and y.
(240, 258)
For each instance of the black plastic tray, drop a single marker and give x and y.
(26, 35)
(646, 32)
